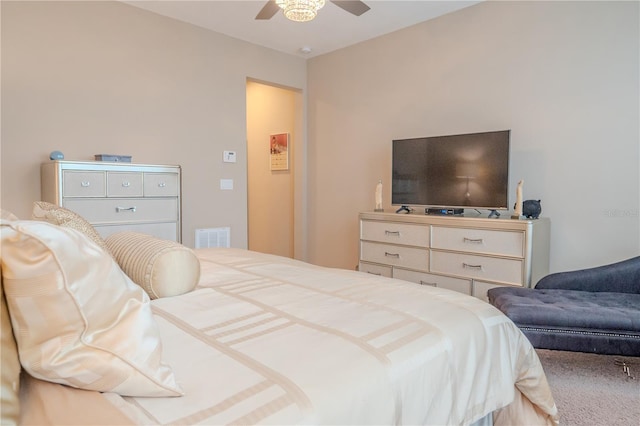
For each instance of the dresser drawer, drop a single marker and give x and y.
(371, 268)
(408, 257)
(485, 241)
(163, 230)
(113, 210)
(122, 184)
(456, 284)
(478, 267)
(396, 233)
(84, 184)
(161, 184)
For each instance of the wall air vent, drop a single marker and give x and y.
(213, 237)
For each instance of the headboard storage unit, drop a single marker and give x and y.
(466, 254)
(116, 197)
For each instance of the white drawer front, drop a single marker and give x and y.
(409, 257)
(165, 231)
(457, 284)
(480, 289)
(396, 233)
(83, 184)
(370, 268)
(478, 267)
(486, 241)
(122, 184)
(161, 184)
(112, 210)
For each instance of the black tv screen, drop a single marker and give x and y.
(458, 171)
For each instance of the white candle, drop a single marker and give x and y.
(379, 195)
(518, 208)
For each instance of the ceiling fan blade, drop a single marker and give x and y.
(268, 10)
(355, 7)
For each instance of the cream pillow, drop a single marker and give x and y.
(77, 318)
(7, 215)
(162, 268)
(60, 216)
(9, 393)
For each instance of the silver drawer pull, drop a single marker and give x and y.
(395, 255)
(374, 273)
(85, 183)
(473, 240)
(162, 184)
(123, 209)
(428, 283)
(126, 184)
(392, 233)
(468, 266)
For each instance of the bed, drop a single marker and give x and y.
(263, 339)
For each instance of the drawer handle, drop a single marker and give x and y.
(468, 266)
(374, 273)
(162, 184)
(85, 184)
(124, 209)
(473, 240)
(126, 184)
(394, 255)
(392, 233)
(428, 283)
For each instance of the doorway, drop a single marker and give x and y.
(271, 111)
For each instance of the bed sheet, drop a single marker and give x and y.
(270, 340)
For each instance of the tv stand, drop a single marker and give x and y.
(494, 213)
(465, 254)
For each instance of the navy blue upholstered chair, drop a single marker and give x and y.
(590, 310)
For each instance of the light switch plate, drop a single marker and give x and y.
(229, 156)
(226, 184)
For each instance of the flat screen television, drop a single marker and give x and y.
(466, 171)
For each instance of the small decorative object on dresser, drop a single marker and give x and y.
(113, 158)
(517, 208)
(379, 197)
(56, 155)
(531, 209)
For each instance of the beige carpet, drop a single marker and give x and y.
(591, 390)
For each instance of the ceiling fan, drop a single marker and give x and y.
(355, 7)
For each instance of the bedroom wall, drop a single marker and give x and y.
(104, 77)
(563, 76)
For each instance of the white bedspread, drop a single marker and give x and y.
(270, 340)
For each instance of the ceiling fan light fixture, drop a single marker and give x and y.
(300, 10)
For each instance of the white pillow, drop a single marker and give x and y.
(162, 268)
(77, 318)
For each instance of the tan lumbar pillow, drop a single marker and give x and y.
(162, 268)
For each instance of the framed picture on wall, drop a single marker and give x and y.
(279, 146)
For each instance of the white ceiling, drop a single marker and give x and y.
(332, 29)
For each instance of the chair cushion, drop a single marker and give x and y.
(569, 309)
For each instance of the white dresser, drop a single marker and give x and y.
(465, 254)
(116, 197)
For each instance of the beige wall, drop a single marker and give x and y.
(271, 110)
(563, 76)
(104, 77)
